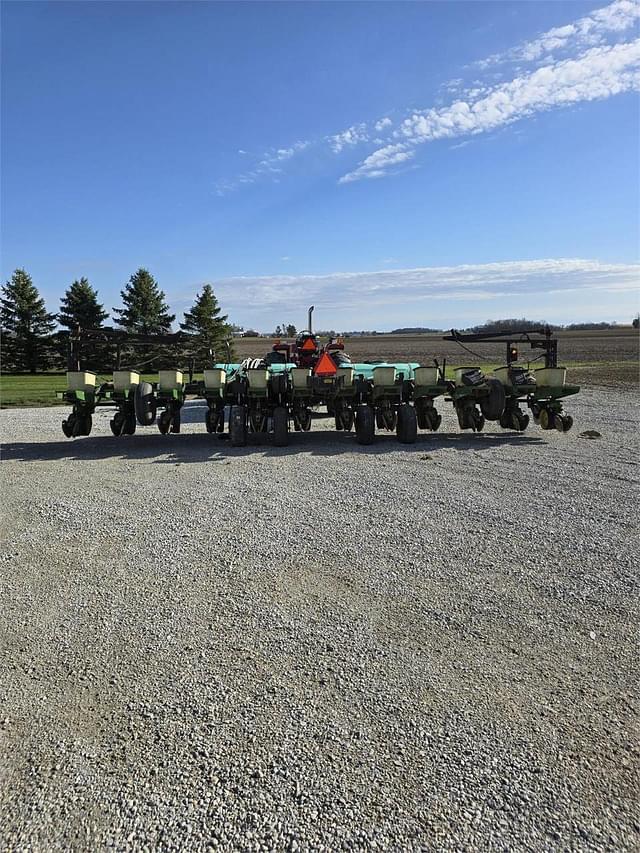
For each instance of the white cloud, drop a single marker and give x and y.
(377, 164)
(364, 299)
(351, 136)
(269, 165)
(585, 32)
(382, 123)
(599, 73)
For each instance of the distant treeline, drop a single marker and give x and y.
(522, 323)
(414, 330)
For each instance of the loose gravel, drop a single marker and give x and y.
(323, 646)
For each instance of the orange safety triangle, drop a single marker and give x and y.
(326, 366)
(309, 344)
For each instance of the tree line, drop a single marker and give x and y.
(30, 342)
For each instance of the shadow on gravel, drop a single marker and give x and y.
(169, 449)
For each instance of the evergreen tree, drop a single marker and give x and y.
(80, 307)
(26, 325)
(145, 311)
(206, 323)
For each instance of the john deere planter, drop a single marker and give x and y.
(296, 382)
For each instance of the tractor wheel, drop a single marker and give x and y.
(175, 423)
(492, 406)
(379, 419)
(347, 420)
(238, 426)
(280, 426)
(68, 425)
(164, 422)
(546, 419)
(407, 424)
(365, 425)
(523, 420)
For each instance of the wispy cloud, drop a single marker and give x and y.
(351, 136)
(581, 61)
(366, 297)
(269, 164)
(588, 31)
(598, 73)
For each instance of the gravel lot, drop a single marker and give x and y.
(324, 646)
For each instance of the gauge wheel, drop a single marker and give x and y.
(238, 426)
(492, 406)
(280, 426)
(406, 424)
(365, 424)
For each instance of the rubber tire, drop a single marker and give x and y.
(238, 426)
(478, 424)
(145, 404)
(164, 422)
(117, 423)
(280, 426)
(407, 424)
(67, 426)
(492, 406)
(524, 421)
(365, 425)
(83, 426)
(129, 426)
(546, 419)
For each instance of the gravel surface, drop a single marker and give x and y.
(323, 646)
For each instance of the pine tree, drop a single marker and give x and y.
(145, 311)
(205, 322)
(26, 325)
(80, 307)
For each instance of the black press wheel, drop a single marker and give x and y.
(238, 426)
(68, 425)
(129, 426)
(563, 423)
(407, 424)
(175, 423)
(164, 422)
(82, 425)
(365, 425)
(117, 423)
(280, 426)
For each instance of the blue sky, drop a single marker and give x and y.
(396, 164)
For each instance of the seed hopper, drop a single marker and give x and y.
(297, 382)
